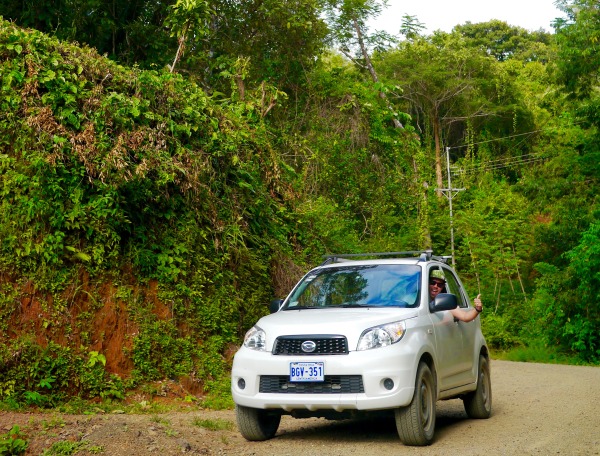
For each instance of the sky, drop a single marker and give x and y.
(445, 14)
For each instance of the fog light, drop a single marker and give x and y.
(241, 383)
(388, 384)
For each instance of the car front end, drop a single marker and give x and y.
(352, 359)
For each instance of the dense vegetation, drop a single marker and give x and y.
(168, 167)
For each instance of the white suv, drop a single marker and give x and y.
(360, 336)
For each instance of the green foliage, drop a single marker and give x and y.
(585, 262)
(130, 31)
(567, 298)
(582, 326)
(13, 442)
(279, 39)
(150, 347)
(213, 425)
(577, 37)
(499, 332)
(411, 27)
(219, 395)
(535, 353)
(9, 298)
(188, 18)
(345, 15)
(335, 228)
(494, 232)
(355, 167)
(68, 448)
(452, 89)
(45, 376)
(503, 41)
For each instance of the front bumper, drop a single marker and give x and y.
(376, 367)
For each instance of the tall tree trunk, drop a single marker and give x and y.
(371, 69)
(437, 133)
(180, 47)
(178, 53)
(474, 265)
(499, 288)
(424, 233)
(518, 273)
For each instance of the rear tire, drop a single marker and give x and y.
(256, 424)
(416, 422)
(478, 404)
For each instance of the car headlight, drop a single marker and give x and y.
(255, 339)
(381, 336)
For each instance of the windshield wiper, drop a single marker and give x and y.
(303, 307)
(340, 306)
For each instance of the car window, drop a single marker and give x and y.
(454, 288)
(349, 286)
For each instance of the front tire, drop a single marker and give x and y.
(478, 404)
(416, 422)
(256, 424)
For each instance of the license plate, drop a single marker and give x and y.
(307, 372)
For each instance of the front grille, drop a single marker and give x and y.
(333, 384)
(326, 345)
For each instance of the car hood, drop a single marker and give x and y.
(335, 321)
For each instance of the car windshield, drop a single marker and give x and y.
(358, 286)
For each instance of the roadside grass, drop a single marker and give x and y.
(214, 424)
(64, 447)
(132, 405)
(536, 354)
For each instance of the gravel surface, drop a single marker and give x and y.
(538, 409)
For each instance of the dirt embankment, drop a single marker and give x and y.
(538, 409)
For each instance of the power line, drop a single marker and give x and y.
(509, 137)
(501, 163)
(508, 160)
(497, 139)
(505, 159)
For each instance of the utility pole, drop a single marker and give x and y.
(450, 193)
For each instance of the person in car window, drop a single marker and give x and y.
(437, 285)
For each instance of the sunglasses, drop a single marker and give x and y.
(437, 283)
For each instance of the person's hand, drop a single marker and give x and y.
(478, 304)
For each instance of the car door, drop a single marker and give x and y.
(449, 345)
(467, 331)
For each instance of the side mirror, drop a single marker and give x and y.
(443, 301)
(275, 305)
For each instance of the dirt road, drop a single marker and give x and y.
(538, 409)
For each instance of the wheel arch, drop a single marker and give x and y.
(484, 351)
(427, 358)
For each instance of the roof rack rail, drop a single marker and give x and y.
(424, 255)
(442, 259)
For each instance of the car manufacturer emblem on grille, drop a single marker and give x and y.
(308, 346)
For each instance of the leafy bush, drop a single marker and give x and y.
(46, 376)
(159, 352)
(499, 332)
(567, 298)
(13, 442)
